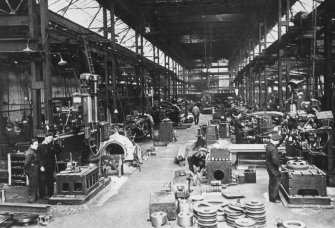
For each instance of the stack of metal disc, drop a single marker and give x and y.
(245, 223)
(221, 215)
(207, 217)
(233, 212)
(256, 211)
(196, 206)
(219, 205)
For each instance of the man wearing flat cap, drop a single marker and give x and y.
(47, 167)
(273, 167)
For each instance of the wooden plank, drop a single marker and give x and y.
(14, 20)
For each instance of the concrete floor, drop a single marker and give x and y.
(125, 203)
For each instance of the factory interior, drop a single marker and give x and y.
(167, 113)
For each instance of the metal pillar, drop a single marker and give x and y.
(287, 78)
(266, 88)
(107, 111)
(169, 80)
(113, 71)
(166, 84)
(35, 68)
(44, 23)
(260, 88)
(253, 102)
(328, 75)
(280, 69)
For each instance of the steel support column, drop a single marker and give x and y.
(328, 76)
(46, 65)
(266, 88)
(169, 80)
(260, 88)
(35, 69)
(107, 105)
(280, 69)
(113, 71)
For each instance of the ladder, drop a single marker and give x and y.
(88, 56)
(89, 62)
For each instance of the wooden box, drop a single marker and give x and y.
(163, 201)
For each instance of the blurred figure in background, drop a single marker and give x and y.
(196, 114)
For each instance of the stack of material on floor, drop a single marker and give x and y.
(256, 211)
(245, 223)
(233, 212)
(219, 205)
(207, 217)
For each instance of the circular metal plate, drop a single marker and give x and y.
(245, 222)
(294, 224)
(297, 165)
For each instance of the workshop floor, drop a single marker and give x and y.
(125, 202)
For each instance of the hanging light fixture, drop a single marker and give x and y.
(27, 49)
(61, 62)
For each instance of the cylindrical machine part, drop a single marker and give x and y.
(87, 108)
(158, 219)
(185, 219)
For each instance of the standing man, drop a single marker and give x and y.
(196, 114)
(31, 169)
(238, 127)
(47, 167)
(273, 167)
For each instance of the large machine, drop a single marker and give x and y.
(87, 145)
(304, 184)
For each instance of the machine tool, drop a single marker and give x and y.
(304, 184)
(84, 139)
